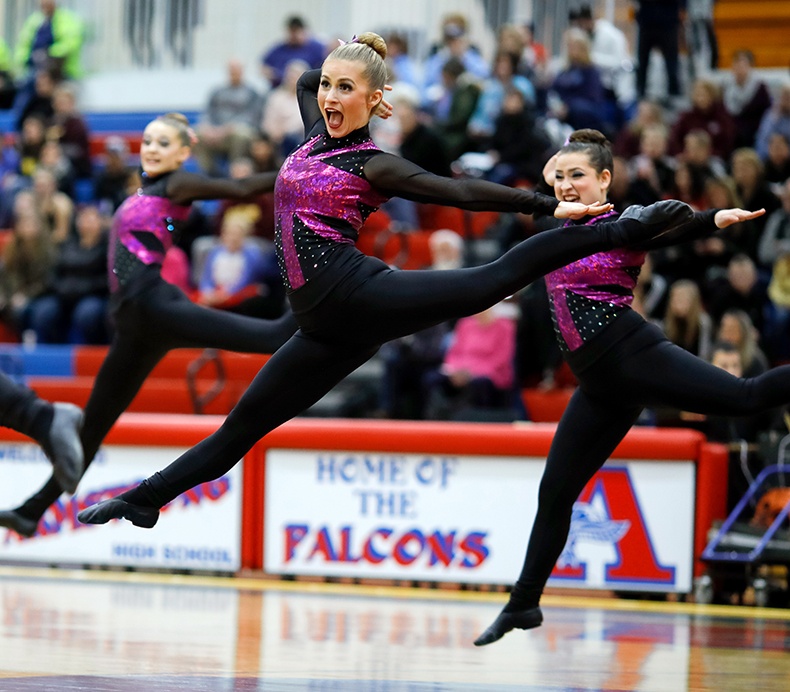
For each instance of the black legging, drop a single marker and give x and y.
(610, 397)
(147, 326)
(346, 329)
(22, 410)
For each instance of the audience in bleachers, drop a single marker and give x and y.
(240, 272)
(73, 309)
(726, 142)
(477, 372)
(27, 263)
(229, 122)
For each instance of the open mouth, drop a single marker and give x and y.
(334, 119)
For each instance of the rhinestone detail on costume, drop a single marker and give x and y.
(586, 295)
(141, 213)
(321, 199)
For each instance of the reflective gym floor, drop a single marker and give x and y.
(131, 632)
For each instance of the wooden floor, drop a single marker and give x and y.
(124, 632)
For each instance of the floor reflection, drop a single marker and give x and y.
(84, 634)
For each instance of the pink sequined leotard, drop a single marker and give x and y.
(588, 294)
(142, 232)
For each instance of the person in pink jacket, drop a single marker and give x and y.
(478, 368)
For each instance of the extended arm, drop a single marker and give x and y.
(183, 188)
(396, 177)
(702, 224)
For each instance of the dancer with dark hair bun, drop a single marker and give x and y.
(56, 427)
(346, 303)
(151, 316)
(622, 364)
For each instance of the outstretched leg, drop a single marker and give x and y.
(392, 304)
(147, 328)
(587, 434)
(54, 426)
(295, 377)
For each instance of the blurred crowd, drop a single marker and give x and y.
(714, 136)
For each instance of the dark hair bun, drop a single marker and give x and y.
(589, 136)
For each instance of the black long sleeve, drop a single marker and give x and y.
(183, 187)
(306, 90)
(396, 177)
(701, 225)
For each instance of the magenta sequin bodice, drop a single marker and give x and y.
(588, 294)
(142, 232)
(321, 199)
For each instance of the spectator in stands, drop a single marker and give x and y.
(737, 328)
(260, 211)
(29, 143)
(39, 101)
(702, 46)
(490, 103)
(707, 113)
(727, 356)
(658, 26)
(534, 58)
(454, 108)
(281, 119)
(420, 143)
(685, 321)
(53, 159)
(628, 140)
(746, 97)
(743, 239)
(741, 288)
(687, 188)
(74, 309)
(775, 120)
(68, 127)
(7, 86)
(652, 171)
(612, 56)
(401, 65)
(27, 262)
(455, 44)
(298, 45)
(774, 252)
(110, 182)
(698, 154)
(577, 94)
(263, 154)
(229, 122)
(777, 163)
(51, 38)
(10, 180)
(407, 361)
(748, 172)
(775, 239)
(519, 147)
(478, 369)
(54, 208)
(239, 274)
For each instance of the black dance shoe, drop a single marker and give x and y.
(518, 619)
(115, 508)
(63, 446)
(13, 520)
